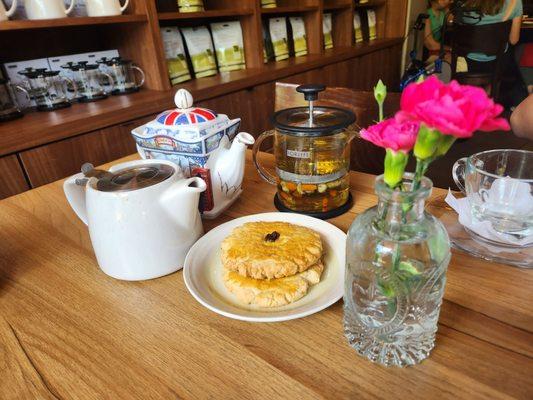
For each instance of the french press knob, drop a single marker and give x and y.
(310, 93)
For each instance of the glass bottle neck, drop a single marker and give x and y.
(395, 217)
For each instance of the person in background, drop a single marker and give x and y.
(491, 12)
(522, 119)
(437, 11)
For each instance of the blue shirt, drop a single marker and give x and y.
(493, 19)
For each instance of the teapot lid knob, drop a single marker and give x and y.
(183, 99)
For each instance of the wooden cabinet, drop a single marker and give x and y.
(12, 179)
(54, 161)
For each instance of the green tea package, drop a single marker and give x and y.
(326, 27)
(268, 4)
(229, 47)
(298, 36)
(357, 27)
(371, 15)
(198, 41)
(190, 5)
(178, 71)
(278, 35)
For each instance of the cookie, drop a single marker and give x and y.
(268, 250)
(274, 292)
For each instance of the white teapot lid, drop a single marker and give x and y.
(185, 113)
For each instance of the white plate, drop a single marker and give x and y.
(203, 272)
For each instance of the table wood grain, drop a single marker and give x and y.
(68, 331)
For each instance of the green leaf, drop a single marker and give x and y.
(408, 268)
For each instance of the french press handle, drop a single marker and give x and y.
(310, 91)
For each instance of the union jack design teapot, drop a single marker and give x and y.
(202, 143)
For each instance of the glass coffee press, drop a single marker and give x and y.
(312, 157)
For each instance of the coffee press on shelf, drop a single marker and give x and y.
(311, 147)
(48, 88)
(89, 80)
(123, 73)
(9, 107)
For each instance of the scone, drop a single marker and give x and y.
(274, 292)
(268, 250)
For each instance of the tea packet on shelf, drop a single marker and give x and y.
(190, 5)
(357, 27)
(268, 49)
(200, 47)
(178, 70)
(268, 4)
(278, 35)
(298, 36)
(327, 28)
(371, 16)
(229, 46)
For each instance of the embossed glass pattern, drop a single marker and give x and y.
(396, 261)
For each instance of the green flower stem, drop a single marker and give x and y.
(421, 168)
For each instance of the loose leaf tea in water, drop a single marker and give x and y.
(357, 27)
(198, 40)
(327, 27)
(229, 47)
(178, 71)
(298, 36)
(278, 35)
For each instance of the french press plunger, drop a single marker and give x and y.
(311, 147)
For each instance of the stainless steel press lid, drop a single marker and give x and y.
(312, 121)
(133, 178)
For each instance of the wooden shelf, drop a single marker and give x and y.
(37, 128)
(371, 4)
(224, 12)
(288, 10)
(335, 7)
(70, 21)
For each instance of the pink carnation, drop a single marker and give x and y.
(453, 109)
(392, 134)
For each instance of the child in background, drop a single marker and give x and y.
(433, 30)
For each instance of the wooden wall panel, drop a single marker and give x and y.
(58, 160)
(12, 180)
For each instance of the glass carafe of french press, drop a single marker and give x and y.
(48, 88)
(9, 107)
(123, 73)
(89, 81)
(312, 157)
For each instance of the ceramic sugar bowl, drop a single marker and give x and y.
(203, 143)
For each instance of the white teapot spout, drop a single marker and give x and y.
(180, 202)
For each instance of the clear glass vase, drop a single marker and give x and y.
(396, 260)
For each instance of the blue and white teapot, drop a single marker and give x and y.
(202, 143)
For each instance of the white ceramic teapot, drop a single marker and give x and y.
(203, 143)
(142, 216)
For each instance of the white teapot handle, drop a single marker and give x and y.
(75, 193)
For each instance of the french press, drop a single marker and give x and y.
(9, 107)
(88, 80)
(312, 157)
(48, 88)
(123, 73)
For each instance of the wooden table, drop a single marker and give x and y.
(68, 331)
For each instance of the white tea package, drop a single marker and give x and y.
(278, 35)
(178, 70)
(268, 4)
(357, 27)
(200, 46)
(327, 28)
(298, 36)
(371, 15)
(229, 46)
(190, 5)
